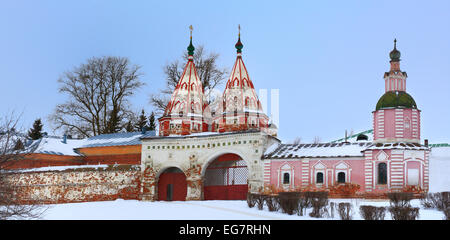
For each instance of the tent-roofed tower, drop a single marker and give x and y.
(186, 111)
(396, 116)
(240, 108)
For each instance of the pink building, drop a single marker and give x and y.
(393, 161)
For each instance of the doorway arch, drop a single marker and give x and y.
(225, 178)
(172, 185)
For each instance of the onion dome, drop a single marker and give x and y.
(395, 54)
(396, 99)
(239, 44)
(191, 48)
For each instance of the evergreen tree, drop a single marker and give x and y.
(19, 145)
(129, 127)
(141, 121)
(151, 122)
(36, 131)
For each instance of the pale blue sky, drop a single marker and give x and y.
(326, 57)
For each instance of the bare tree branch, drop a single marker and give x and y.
(98, 94)
(209, 73)
(10, 202)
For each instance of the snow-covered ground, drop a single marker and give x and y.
(226, 210)
(199, 210)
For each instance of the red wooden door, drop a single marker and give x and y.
(178, 188)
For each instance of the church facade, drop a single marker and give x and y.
(223, 152)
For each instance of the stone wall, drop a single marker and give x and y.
(81, 184)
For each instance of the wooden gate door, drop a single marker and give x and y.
(172, 185)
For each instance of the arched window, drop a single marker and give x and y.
(341, 177)
(286, 178)
(382, 173)
(319, 177)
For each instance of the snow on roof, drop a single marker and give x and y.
(316, 150)
(200, 134)
(60, 168)
(397, 145)
(55, 146)
(116, 139)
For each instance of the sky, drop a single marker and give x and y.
(327, 58)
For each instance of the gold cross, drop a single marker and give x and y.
(191, 28)
(239, 27)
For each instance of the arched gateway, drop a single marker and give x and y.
(226, 178)
(172, 185)
(215, 165)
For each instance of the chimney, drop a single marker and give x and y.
(426, 142)
(143, 129)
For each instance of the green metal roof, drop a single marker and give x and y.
(396, 99)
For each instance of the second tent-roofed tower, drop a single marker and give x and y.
(240, 108)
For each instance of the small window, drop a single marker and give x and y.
(382, 173)
(341, 177)
(286, 178)
(319, 177)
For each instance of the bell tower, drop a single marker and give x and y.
(396, 116)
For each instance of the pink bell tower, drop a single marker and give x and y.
(396, 117)
(396, 161)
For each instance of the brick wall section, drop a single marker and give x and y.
(79, 185)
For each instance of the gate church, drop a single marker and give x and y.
(204, 153)
(222, 152)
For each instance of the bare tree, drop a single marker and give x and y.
(316, 140)
(98, 94)
(11, 206)
(209, 73)
(297, 140)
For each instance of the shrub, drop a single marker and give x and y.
(345, 189)
(319, 200)
(404, 213)
(272, 203)
(372, 213)
(447, 213)
(304, 202)
(259, 199)
(289, 202)
(439, 201)
(345, 211)
(251, 201)
(400, 199)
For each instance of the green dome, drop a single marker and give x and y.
(395, 54)
(396, 99)
(239, 45)
(190, 49)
